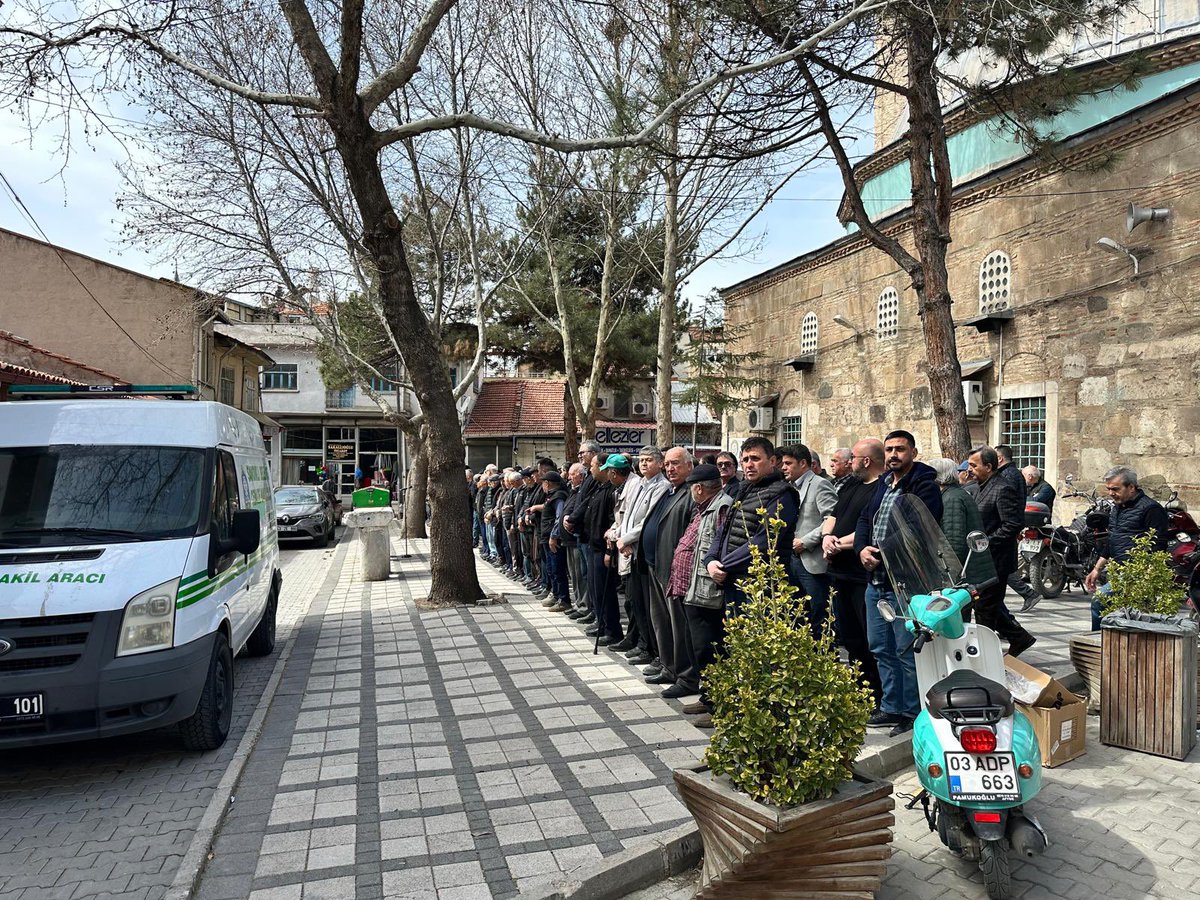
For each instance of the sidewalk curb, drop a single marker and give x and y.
(187, 876)
(615, 876)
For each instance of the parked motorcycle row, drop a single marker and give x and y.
(1058, 558)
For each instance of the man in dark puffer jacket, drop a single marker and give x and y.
(762, 488)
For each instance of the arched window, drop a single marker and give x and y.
(995, 283)
(808, 335)
(887, 318)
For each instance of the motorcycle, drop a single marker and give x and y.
(1183, 543)
(1073, 549)
(976, 755)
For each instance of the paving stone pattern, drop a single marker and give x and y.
(457, 753)
(114, 817)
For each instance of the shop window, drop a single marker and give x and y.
(302, 439)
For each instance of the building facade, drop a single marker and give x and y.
(22, 363)
(1080, 355)
(151, 330)
(324, 432)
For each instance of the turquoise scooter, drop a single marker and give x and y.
(976, 755)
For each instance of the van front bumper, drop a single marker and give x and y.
(100, 695)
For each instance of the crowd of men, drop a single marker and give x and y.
(670, 540)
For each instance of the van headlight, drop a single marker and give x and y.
(149, 622)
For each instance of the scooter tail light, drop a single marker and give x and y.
(935, 771)
(987, 818)
(977, 740)
(1031, 534)
(1025, 770)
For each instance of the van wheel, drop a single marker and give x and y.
(209, 724)
(262, 640)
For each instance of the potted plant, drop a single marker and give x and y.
(780, 810)
(1147, 658)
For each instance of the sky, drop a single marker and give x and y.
(75, 204)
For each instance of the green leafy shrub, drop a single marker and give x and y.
(1143, 582)
(789, 717)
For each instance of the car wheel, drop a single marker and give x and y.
(208, 726)
(262, 641)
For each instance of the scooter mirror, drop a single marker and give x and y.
(977, 541)
(1070, 479)
(885, 610)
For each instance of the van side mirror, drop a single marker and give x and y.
(247, 531)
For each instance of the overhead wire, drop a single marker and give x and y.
(25, 211)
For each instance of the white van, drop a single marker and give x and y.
(138, 556)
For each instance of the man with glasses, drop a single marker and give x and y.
(727, 465)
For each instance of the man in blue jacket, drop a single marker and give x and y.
(890, 642)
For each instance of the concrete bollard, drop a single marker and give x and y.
(373, 527)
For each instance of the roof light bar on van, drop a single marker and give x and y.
(59, 391)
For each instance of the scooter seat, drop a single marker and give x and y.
(965, 691)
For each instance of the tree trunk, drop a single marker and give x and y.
(451, 560)
(418, 491)
(570, 429)
(931, 235)
(667, 310)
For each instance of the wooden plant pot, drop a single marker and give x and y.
(1148, 692)
(829, 848)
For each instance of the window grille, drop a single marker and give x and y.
(887, 319)
(226, 386)
(790, 430)
(809, 330)
(1023, 427)
(995, 283)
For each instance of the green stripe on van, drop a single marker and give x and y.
(195, 576)
(201, 589)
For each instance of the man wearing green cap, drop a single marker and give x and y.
(651, 488)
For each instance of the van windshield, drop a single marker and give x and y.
(70, 494)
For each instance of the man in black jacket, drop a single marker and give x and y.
(1133, 514)
(1020, 585)
(1002, 508)
(890, 642)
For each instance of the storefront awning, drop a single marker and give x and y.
(975, 366)
(264, 420)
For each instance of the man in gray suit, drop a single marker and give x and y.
(664, 527)
(817, 498)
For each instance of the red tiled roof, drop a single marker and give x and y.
(521, 406)
(25, 375)
(22, 342)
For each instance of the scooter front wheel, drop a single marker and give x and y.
(993, 863)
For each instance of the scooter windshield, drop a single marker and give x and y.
(918, 557)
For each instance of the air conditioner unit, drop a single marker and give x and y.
(762, 418)
(973, 398)
(640, 408)
(601, 403)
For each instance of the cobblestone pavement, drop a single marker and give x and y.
(457, 753)
(114, 817)
(1121, 824)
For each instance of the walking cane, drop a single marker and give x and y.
(596, 601)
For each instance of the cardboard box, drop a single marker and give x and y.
(1059, 717)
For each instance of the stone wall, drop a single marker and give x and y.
(1116, 357)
